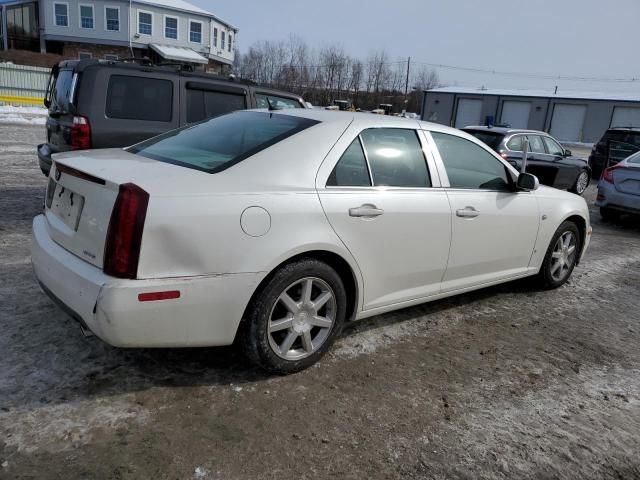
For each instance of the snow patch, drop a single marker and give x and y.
(23, 115)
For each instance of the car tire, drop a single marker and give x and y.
(561, 257)
(581, 183)
(295, 317)
(609, 215)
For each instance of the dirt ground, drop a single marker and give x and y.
(507, 382)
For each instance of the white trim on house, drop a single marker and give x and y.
(55, 16)
(138, 12)
(164, 27)
(190, 21)
(93, 16)
(113, 7)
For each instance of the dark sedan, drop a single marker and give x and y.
(554, 165)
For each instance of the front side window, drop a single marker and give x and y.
(61, 11)
(203, 104)
(145, 23)
(351, 170)
(395, 157)
(112, 19)
(195, 32)
(86, 16)
(535, 144)
(221, 142)
(222, 40)
(470, 166)
(552, 146)
(263, 101)
(171, 27)
(139, 98)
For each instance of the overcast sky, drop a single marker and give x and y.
(591, 38)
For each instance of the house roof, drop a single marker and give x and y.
(566, 94)
(183, 6)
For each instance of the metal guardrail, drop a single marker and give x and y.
(22, 84)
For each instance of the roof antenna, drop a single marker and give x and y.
(556, 90)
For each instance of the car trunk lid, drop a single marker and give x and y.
(627, 179)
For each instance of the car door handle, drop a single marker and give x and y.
(367, 210)
(467, 212)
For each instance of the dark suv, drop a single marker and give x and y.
(615, 145)
(553, 164)
(103, 104)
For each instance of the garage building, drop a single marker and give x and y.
(568, 116)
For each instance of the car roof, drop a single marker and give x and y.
(503, 130)
(624, 129)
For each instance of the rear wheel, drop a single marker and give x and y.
(295, 317)
(561, 256)
(582, 182)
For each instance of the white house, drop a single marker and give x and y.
(163, 30)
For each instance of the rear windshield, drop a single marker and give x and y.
(490, 138)
(60, 91)
(632, 138)
(634, 158)
(218, 143)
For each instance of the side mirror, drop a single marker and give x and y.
(567, 153)
(527, 182)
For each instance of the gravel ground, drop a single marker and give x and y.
(507, 382)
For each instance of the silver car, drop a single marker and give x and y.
(619, 189)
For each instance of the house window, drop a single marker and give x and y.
(112, 19)
(195, 32)
(215, 37)
(84, 55)
(145, 23)
(61, 12)
(111, 57)
(86, 16)
(230, 40)
(171, 27)
(222, 40)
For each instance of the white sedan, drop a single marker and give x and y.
(277, 227)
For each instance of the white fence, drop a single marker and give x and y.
(22, 84)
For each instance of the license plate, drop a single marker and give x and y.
(67, 205)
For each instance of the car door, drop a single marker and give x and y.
(539, 163)
(494, 227)
(567, 170)
(381, 194)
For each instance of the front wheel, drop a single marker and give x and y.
(582, 182)
(295, 317)
(561, 256)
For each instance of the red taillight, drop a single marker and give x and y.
(124, 236)
(607, 174)
(504, 155)
(154, 296)
(80, 134)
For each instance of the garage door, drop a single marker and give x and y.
(515, 114)
(626, 117)
(469, 112)
(567, 122)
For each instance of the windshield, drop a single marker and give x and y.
(218, 143)
(492, 139)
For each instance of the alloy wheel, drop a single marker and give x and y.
(582, 183)
(302, 318)
(563, 256)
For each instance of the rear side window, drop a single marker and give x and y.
(205, 104)
(515, 143)
(351, 170)
(470, 166)
(61, 91)
(139, 98)
(395, 157)
(262, 101)
(218, 143)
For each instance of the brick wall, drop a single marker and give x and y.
(72, 50)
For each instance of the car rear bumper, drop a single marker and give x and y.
(610, 197)
(44, 158)
(207, 313)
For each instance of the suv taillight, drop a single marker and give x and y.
(80, 134)
(607, 174)
(124, 235)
